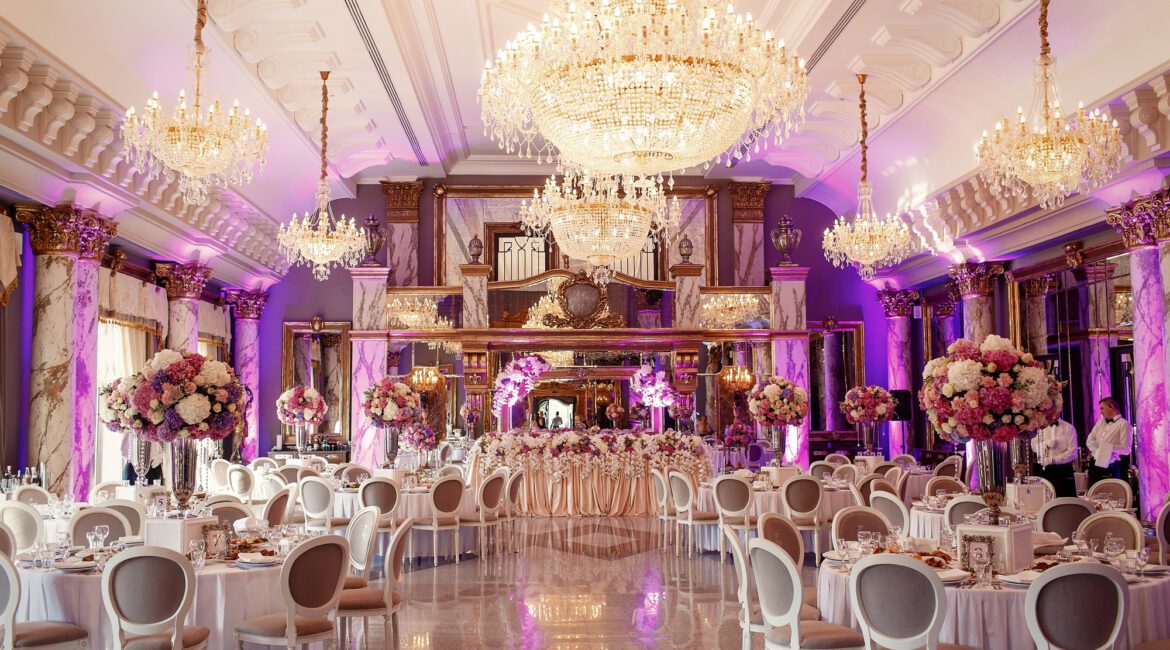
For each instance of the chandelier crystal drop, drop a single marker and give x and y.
(320, 240)
(867, 241)
(642, 87)
(424, 379)
(601, 219)
(203, 149)
(1043, 155)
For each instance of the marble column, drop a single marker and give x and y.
(790, 347)
(184, 284)
(747, 218)
(247, 307)
(62, 390)
(898, 305)
(943, 312)
(402, 203)
(475, 295)
(976, 281)
(369, 347)
(1036, 292)
(331, 380)
(834, 374)
(688, 304)
(1100, 320)
(1139, 224)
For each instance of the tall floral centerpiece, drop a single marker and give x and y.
(516, 379)
(614, 412)
(183, 398)
(116, 410)
(303, 408)
(866, 406)
(682, 409)
(777, 403)
(422, 438)
(992, 394)
(391, 405)
(654, 390)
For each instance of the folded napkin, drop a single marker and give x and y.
(921, 544)
(131, 539)
(949, 575)
(256, 558)
(743, 473)
(249, 523)
(1027, 575)
(1047, 539)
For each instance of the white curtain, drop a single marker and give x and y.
(121, 352)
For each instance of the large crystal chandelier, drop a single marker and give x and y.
(548, 306)
(601, 219)
(730, 310)
(1044, 155)
(642, 87)
(417, 314)
(319, 239)
(868, 241)
(202, 149)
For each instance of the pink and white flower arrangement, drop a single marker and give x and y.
(301, 405)
(391, 403)
(615, 412)
(739, 434)
(184, 395)
(682, 408)
(868, 404)
(639, 412)
(516, 379)
(420, 436)
(116, 407)
(652, 387)
(991, 391)
(778, 402)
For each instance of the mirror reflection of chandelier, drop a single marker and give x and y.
(730, 310)
(417, 314)
(601, 219)
(320, 240)
(736, 378)
(868, 241)
(642, 87)
(424, 378)
(1044, 155)
(547, 305)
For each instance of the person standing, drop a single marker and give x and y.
(1055, 447)
(154, 474)
(1109, 443)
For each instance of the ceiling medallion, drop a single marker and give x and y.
(203, 149)
(642, 87)
(1044, 155)
(320, 240)
(868, 241)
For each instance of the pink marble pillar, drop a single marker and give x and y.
(246, 308)
(976, 281)
(369, 357)
(747, 217)
(688, 303)
(402, 205)
(790, 350)
(946, 324)
(95, 234)
(898, 305)
(184, 284)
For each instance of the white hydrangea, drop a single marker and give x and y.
(965, 374)
(995, 342)
(1034, 382)
(214, 373)
(931, 367)
(312, 393)
(194, 408)
(390, 412)
(164, 358)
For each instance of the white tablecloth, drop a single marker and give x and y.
(925, 523)
(738, 456)
(224, 597)
(769, 501)
(916, 486)
(417, 505)
(994, 619)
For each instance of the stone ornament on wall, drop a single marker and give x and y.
(182, 281)
(976, 279)
(66, 228)
(898, 302)
(247, 305)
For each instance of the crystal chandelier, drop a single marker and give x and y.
(601, 219)
(547, 305)
(736, 378)
(1044, 155)
(418, 314)
(320, 240)
(730, 310)
(868, 241)
(424, 379)
(201, 149)
(642, 87)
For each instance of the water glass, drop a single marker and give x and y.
(103, 531)
(39, 556)
(197, 552)
(1141, 559)
(92, 538)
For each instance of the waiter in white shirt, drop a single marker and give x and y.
(1109, 443)
(154, 474)
(1055, 447)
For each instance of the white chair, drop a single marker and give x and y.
(147, 592)
(733, 504)
(263, 463)
(451, 470)
(277, 508)
(750, 619)
(865, 486)
(218, 475)
(1057, 603)
(104, 491)
(883, 485)
(444, 452)
(43, 635)
(446, 497)
(1049, 488)
(682, 490)
(316, 496)
(89, 519)
(946, 484)
(310, 586)
(882, 468)
(664, 508)
(904, 461)
(821, 469)
(888, 622)
(893, 509)
(240, 482)
(1121, 524)
(385, 494)
(777, 581)
(386, 601)
(361, 534)
(133, 511)
(951, 466)
(222, 498)
(34, 495)
(354, 473)
(230, 513)
(512, 505)
(1064, 515)
(289, 474)
(893, 475)
(837, 459)
(846, 473)
(25, 522)
(801, 498)
(488, 499)
(307, 472)
(1160, 529)
(1113, 488)
(267, 487)
(7, 541)
(850, 519)
(959, 507)
(781, 531)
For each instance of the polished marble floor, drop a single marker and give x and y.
(575, 583)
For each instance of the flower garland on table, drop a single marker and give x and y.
(778, 402)
(516, 380)
(991, 391)
(739, 434)
(180, 395)
(391, 403)
(868, 404)
(420, 436)
(301, 405)
(651, 387)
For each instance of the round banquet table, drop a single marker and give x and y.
(769, 501)
(994, 619)
(415, 503)
(225, 596)
(925, 523)
(916, 486)
(720, 457)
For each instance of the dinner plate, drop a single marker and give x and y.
(833, 556)
(74, 566)
(1157, 569)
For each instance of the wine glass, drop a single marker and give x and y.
(852, 555)
(980, 560)
(1141, 559)
(864, 537)
(197, 553)
(103, 531)
(91, 537)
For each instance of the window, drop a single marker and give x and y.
(122, 351)
(644, 266)
(515, 255)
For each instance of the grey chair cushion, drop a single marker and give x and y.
(273, 626)
(192, 637)
(817, 635)
(46, 633)
(355, 582)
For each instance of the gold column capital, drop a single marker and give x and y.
(976, 279)
(402, 200)
(182, 281)
(247, 305)
(66, 229)
(898, 303)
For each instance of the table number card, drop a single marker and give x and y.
(1011, 545)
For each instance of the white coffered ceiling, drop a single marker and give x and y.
(406, 72)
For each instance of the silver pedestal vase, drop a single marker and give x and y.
(183, 456)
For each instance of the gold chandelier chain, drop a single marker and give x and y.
(1045, 48)
(200, 51)
(324, 123)
(864, 131)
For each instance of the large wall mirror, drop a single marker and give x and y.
(316, 353)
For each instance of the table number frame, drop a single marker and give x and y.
(965, 543)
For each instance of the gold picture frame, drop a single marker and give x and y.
(217, 540)
(585, 304)
(965, 544)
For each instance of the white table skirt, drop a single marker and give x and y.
(769, 501)
(925, 523)
(224, 597)
(417, 505)
(994, 620)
